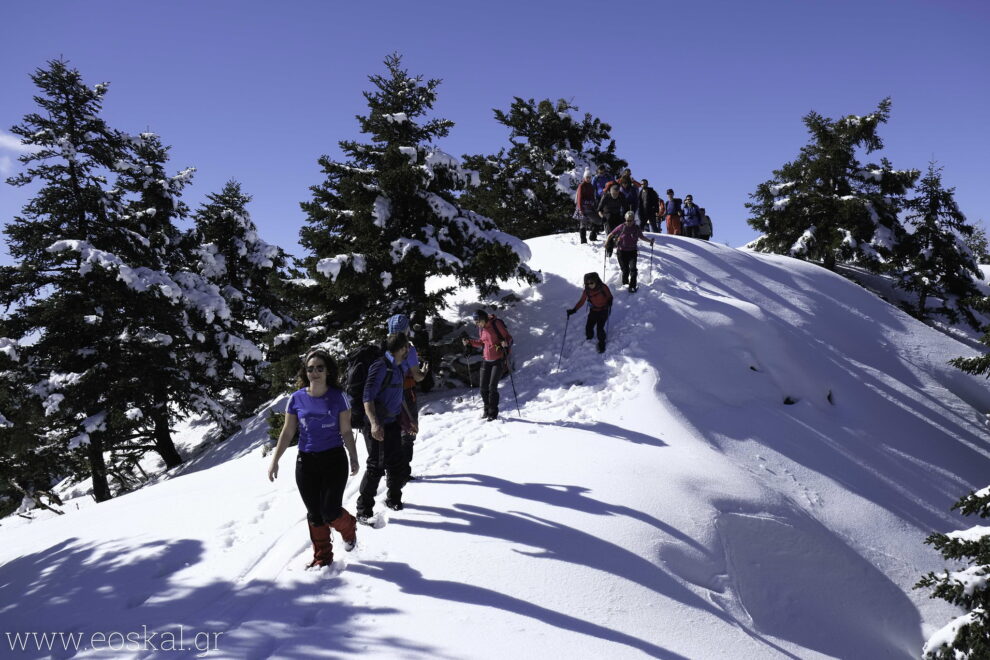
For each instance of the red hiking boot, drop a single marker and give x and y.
(346, 524)
(322, 545)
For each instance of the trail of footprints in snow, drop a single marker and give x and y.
(812, 496)
(233, 528)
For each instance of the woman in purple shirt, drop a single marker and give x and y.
(320, 412)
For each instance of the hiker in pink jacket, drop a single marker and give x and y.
(625, 237)
(495, 341)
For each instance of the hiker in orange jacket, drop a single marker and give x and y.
(599, 297)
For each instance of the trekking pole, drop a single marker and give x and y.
(467, 352)
(604, 260)
(563, 342)
(651, 262)
(512, 381)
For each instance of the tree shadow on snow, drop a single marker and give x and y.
(576, 498)
(604, 429)
(567, 544)
(412, 581)
(138, 590)
(801, 582)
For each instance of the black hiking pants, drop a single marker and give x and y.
(611, 222)
(491, 373)
(596, 321)
(627, 264)
(321, 477)
(384, 459)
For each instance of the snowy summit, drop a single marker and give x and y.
(749, 471)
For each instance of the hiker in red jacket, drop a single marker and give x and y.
(625, 238)
(586, 213)
(496, 342)
(599, 298)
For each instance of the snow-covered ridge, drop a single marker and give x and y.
(748, 472)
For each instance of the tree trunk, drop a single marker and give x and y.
(163, 437)
(98, 469)
(829, 260)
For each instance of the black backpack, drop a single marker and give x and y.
(359, 361)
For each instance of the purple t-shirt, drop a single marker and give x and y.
(319, 419)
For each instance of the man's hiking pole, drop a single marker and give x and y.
(604, 260)
(563, 342)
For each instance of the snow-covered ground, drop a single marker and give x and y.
(748, 472)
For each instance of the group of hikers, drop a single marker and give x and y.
(606, 200)
(378, 397)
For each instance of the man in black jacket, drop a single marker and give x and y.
(612, 207)
(649, 208)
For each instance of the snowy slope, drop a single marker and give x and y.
(660, 501)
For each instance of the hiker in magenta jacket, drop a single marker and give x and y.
(495, 341)
(624, 237)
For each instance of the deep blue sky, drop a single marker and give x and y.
(704, 96)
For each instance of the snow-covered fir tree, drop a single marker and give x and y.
(115, 328)
(978, 243)
(529, 189)
(151, 322)
(28, 469)
(387, 218)
(934, 259)
(826, 205)
(55, 295)
(250, 274)
(967, 636)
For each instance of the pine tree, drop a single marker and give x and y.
(151, 320)
(116, 329)
(250, 273)
(55, 291)
(934, 260)
(978, 243)
(27, 469)
(827, 206)
(387, 218)
(967, 636)
(529, 189)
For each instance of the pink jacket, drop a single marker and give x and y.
(490, 341)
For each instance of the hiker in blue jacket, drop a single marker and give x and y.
(600, 181)
(625, 238)
(382, 429)
(412, 372)
(691, 217)
(630, 191)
